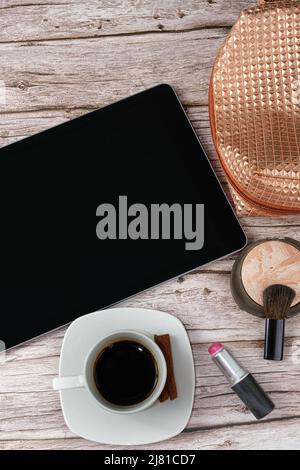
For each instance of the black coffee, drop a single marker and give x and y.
(125, 373)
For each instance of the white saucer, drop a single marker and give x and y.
(163, 420)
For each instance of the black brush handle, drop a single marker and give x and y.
(274, 339)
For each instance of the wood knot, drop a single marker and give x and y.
(95, 24)
(23, 85)
(180, 14)
(244, 409)
(227, 443)
(206, 291)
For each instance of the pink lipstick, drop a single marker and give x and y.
(241, 381)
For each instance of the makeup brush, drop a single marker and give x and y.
(277, 300)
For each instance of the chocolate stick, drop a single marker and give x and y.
(164, 343)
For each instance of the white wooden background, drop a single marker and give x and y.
(59, 59)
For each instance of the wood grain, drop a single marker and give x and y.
(63, 19)
(62, 58)
(277, 435)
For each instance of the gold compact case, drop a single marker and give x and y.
(261, 264)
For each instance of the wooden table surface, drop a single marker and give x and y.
(61, 59)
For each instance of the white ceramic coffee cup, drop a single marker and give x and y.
(86, 379)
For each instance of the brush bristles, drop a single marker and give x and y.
(277, 301)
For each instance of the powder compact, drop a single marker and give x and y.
(264, 263)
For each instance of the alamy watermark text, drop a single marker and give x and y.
(161, 221)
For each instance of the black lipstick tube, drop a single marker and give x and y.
(242, 382)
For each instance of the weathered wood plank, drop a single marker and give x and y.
(76, 19)
(93, 72)
(276, 435)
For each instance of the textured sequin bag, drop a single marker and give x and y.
(255, 109)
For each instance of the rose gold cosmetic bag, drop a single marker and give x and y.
(255, 108)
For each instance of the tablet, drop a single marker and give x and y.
(102, 207)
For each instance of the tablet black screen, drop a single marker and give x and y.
(54, 267)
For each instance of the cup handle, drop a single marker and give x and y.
(65, 383)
